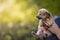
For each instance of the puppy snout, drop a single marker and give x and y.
(39, 17)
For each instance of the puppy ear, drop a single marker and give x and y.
(48, 15)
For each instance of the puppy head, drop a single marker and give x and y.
(43, 14)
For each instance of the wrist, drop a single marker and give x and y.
(58, 34)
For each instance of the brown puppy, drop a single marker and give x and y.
(44, 17)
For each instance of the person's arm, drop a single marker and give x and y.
(58, 34)
(55, 29)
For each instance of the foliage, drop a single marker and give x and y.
(18, 17)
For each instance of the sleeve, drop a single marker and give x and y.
(57, 21)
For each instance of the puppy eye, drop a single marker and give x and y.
(39, 14)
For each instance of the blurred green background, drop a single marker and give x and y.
(18, 17)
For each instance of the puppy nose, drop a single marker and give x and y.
(38, 17)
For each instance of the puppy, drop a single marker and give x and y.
(45, 22)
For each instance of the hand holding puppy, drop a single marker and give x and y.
(53, 28)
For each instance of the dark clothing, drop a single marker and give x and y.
(52, 37)
(57, 21)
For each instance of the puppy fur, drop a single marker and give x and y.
(43, 15)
